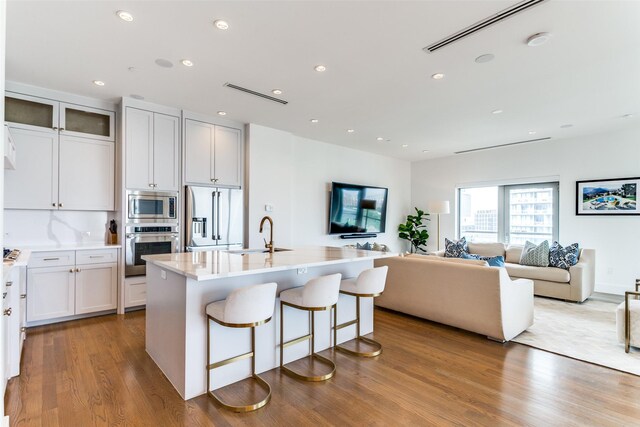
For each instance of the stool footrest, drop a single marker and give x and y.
(375, 351)
(230, 360)
(310, 358)
(248, 407)
(296, 341)
(344, 325)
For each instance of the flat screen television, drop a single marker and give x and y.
(357, 209)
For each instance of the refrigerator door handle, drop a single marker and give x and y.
(218, 215)
(214, 221)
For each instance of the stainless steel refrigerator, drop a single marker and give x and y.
(214, 218)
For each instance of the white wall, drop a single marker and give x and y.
(293, 174)
(3, 10)
(610, 155)
(50, 228)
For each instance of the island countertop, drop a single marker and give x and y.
(208, 265)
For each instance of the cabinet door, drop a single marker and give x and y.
(30, 112)
(139, 149)
(34, 183)
(87, 174)
(96, 288)
(135, 292)
(227, 156)
(198, 165)
(165, 152)
(77, 120)
(50, 293)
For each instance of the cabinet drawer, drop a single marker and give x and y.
(135, 293)
(52, 259)
(97, 256)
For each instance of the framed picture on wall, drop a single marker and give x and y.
(616, 196)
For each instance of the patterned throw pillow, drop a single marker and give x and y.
(493, 261)
(453, 249)
(563, 257)
(537, 256)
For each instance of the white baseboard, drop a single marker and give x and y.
(610, 288)
(5, 421)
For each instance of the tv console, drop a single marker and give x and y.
(358, 235)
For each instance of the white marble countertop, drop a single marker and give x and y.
(68, 246)
(208, 265)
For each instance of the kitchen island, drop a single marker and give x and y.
(180, 285)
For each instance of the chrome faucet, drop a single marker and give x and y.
(270, 244)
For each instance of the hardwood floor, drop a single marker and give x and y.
(96, 372)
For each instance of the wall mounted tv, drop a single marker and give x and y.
(357, 209)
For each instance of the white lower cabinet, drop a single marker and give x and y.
(67, 283)
(135, 291)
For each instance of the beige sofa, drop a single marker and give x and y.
(576, 284)
(466, 294)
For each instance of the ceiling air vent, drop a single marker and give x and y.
(503, 145)
(493, 19)
(253, 92)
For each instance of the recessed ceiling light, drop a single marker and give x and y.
(187, 63)
(425, 151)
(221, 24)
(314, 120)
(320, 68)
(222, 113)
(98, 82)
(124, 15)
(538, 39)
(136, 96)
(379, 138)
(405, 145)
(350, 130)
(568, 125)
(438, 76)
(164, 63)
(487, 57)
(532, 132)
(496, 112)
(277, 91)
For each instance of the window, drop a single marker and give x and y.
(509, 213)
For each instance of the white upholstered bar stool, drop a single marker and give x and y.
(369, 284)
(628, 319)
(317, 294)
(246, 307)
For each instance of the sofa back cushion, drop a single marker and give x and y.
(514, 252)
(487, 249)
(451, 260)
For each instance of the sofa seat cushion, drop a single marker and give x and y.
(451, 260)
(551, 274)
(486, 249)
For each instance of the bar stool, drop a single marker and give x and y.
(369, 284)
(317, 294)
(246, 307)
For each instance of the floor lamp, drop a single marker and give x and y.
(438, 208)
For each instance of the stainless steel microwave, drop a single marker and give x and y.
(152, 206)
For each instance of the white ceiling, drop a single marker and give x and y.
(378, 77)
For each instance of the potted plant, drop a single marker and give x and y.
(415, 231)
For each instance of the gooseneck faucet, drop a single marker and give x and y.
(270, 244)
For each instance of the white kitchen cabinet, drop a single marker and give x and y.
(213, 154)
(96, 288)
(34, 183)
(9, 149)
(135, 291)
(86, 174)
(50, 293)
(60, 172)
(35, 113)
(151, 141)
(61, 284)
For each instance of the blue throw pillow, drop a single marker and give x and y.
(493, 261)
(563, 257)
(535, 255)
(454, 249)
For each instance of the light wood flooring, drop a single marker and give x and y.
(96, 372)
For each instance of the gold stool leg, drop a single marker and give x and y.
(312, 356)
(262, 383)
(377, 347)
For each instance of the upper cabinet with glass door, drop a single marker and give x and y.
(35, 113)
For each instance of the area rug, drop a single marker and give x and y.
(584, 331)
